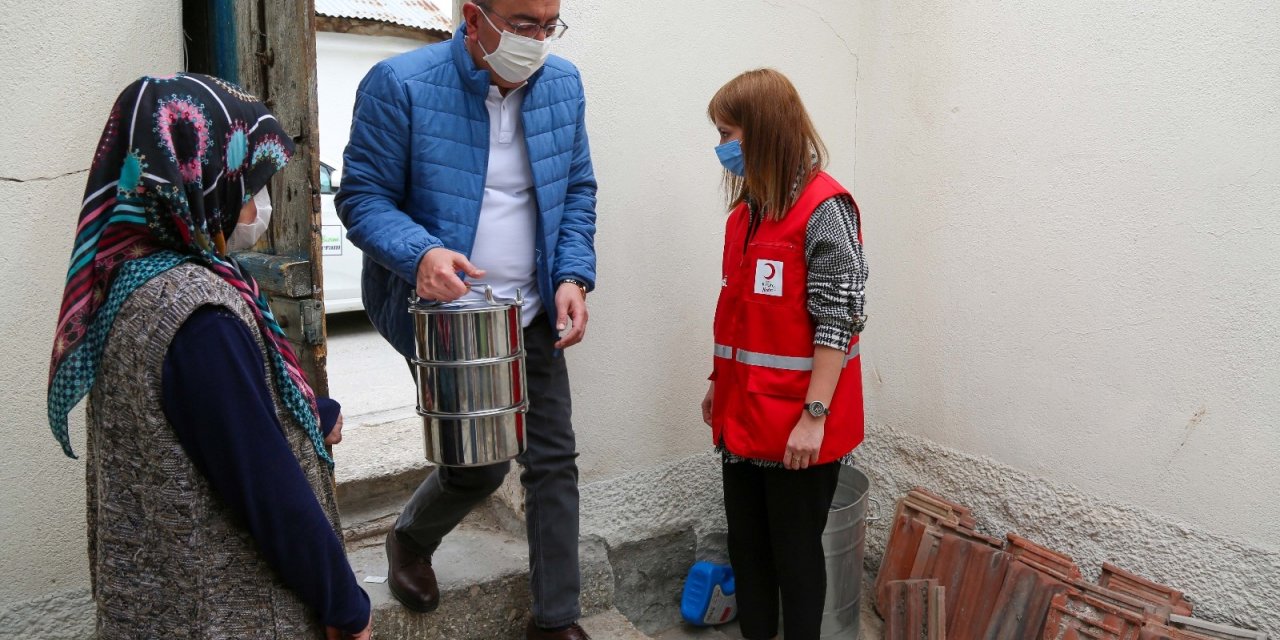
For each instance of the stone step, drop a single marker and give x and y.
(380, 454)
(870, 627)
(484, 586)
(690, 632)
(611, 625)
(378, 465)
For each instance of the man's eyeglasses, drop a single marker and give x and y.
(551, 31)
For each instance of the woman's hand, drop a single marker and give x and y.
(331, 633)
(805, 443)
(335, 434)
(706, 403)
(367, 634)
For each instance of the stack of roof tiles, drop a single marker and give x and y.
(1015, 589)
(918, 611)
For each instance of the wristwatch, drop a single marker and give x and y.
(817, 409)
(577, 283)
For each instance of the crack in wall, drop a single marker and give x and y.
(857, 79)
(42, 178)
(857, 64)
(821, 18)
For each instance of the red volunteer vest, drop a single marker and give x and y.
(764, 339)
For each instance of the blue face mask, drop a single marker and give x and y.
(730, 154)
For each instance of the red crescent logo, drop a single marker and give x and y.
(773, 271)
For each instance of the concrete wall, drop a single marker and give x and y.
(1071, 224)
(1072, 231)
(650, 68)
(64, 65)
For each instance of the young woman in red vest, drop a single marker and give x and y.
(785, 400)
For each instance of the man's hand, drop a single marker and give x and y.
(335, 434)
(330, 633)
(571, 308)
(706, 403)
(805, 443)
(438, 275)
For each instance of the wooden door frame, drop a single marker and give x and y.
(269, 48)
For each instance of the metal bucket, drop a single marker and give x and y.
(470, 372)
(843, 543)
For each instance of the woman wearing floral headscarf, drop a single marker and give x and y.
(210, 501)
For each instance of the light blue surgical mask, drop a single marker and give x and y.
(730, 154)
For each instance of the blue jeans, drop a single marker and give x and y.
(550, 477)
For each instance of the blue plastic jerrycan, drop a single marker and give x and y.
(708, 595)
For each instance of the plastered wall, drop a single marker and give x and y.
(64, 65)
(1071, 220)
(650, 69)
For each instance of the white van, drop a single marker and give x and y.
(342, 261)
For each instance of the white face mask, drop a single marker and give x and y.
(247, 235)
(516, 57)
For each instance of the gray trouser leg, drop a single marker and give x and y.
(550, 479)
(443, 500)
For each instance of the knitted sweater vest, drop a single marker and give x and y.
(167, 558)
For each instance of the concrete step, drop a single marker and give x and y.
(380, 454)
(378, 465)
(870, 626)
(690, 632)
(611, 625)
(484, 586)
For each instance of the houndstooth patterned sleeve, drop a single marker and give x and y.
(837, 272)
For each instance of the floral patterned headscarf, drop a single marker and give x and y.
(177, 160)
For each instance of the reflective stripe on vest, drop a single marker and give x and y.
(789, 363)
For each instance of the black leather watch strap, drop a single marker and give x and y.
(817, 409)
(577, 283)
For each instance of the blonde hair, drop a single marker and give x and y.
(779, 141)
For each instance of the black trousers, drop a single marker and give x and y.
(776, 518)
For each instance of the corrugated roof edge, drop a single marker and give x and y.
(416, 14)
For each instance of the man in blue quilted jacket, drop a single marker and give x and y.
(471, 157)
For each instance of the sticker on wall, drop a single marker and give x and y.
(769, 278)
(331, 239)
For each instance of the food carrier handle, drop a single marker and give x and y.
(483, 286)
(488, 293)
(478, 286)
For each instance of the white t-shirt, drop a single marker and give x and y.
(506, 235)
